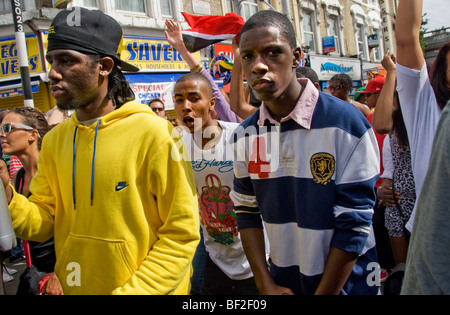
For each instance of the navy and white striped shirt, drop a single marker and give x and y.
(313, 188)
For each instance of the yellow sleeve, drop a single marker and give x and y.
(29, 221)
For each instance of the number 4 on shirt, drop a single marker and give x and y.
(258, 163)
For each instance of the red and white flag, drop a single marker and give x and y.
(210, 29)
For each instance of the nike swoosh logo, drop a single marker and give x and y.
(120, 187)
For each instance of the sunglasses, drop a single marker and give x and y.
(7, 128)
(157, 109)
(335, 87)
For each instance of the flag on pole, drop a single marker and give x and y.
(210, 29)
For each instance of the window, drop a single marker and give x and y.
(308, 30)
(333, 30)
(166, 8)
(360, 36)
(5, 5)
(378, 51)
(230, 5)
(89, 3)
(248, 8)
(130, 5)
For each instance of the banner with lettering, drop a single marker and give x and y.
(9, 59)
(326, 67)
(153, 55)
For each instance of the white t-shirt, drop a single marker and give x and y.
(213, 174)
(388, 164)
(421, 115)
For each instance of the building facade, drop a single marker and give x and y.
(335, 35)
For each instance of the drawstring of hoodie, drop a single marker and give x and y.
(93, 164)
(73, 168)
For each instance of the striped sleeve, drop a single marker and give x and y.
(244, 199)
(355, 195)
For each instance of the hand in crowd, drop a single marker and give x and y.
(52, 286)
(174, 35)
(4, 173)
(386, 196)
(388, 62)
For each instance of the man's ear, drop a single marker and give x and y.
(106, 66)
(212, 104)
(297, 57)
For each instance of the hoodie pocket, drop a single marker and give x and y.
(90, 265)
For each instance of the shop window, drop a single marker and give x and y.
(334, 30)
(166, 8)
(378, 51)
(308, 30)
(89, 3)
(361, 39)
(5, 6)
(248, 8)
(130, 5)
(230, 5)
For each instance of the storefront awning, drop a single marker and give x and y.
(9, 88)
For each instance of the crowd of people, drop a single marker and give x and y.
(279, 189)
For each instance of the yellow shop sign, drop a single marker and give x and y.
(152, 54)
(9, 59)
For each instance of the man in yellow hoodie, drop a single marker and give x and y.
(110, 185)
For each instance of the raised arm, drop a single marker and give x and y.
(175, 39)
(238, 102)
(382, 116)
(407, 29)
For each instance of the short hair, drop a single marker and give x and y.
(345, 80)
(196, 76)
(267, 18)
(307, 72)
(157, 99)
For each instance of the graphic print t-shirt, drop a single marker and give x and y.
(213, 173)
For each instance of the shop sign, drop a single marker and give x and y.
(326, 67)
(145, 92)
(152, 54)
(328, 44)
(9, 58)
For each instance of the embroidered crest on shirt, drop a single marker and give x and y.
(216, 211)
(322, 167)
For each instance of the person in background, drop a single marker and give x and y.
(384, 250)
(221, 109)
(317, 157)
(227, 271)
(422, 99)
(22, 131)
(360, 97)
(120, 225)
(397, 191)
(340, 86)
(157, 106)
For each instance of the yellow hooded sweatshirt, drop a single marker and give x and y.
(120, 203)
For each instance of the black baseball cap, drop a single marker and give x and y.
(89, 32)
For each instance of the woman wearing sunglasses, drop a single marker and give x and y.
(21, 133)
